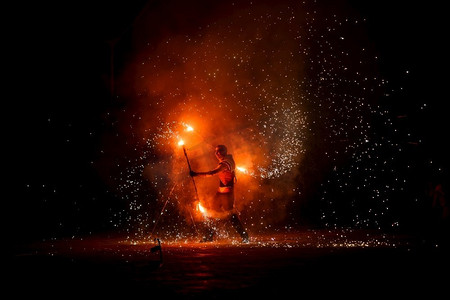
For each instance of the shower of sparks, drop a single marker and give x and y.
(283, 86)
(320, 239)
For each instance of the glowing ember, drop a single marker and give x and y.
(241, 169)
(180, 143)
(201, 208)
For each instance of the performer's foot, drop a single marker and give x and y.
(207, 239)
(245, 238)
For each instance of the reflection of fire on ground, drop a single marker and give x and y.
(314, 239)
(280, 264)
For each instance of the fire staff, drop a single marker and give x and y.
(224, 198)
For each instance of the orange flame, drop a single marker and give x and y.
(201, 208)
(180, 142)
(243, 170)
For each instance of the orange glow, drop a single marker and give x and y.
(201, 208)
(189, 128)
(180, 143)
(243, 170)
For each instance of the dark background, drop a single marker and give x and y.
(59, 82)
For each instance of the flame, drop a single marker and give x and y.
(188, 128)
(201, 208)
(243, 170)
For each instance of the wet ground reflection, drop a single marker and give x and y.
(310, 261)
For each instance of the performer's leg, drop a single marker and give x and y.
(237, 224)
(207, 230)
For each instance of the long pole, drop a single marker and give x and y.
(195, 186)
(189, 165)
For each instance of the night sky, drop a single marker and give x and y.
(89, 152)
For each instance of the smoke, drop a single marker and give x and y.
(279, 84)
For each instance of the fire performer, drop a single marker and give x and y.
(224, 198)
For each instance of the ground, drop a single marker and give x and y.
(350, 263)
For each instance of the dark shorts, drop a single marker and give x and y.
(223, 202)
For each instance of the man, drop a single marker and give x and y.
(224, 198)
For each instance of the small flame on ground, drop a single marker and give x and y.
(201, 208)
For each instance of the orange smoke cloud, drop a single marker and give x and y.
(268, 80)
(214, 89)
